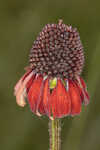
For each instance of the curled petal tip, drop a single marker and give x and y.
(21, 102)
(38, 114)
(51, 118)
(17, 86)
(20, 97)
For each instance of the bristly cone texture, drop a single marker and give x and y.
(52, 82)
(57, 52)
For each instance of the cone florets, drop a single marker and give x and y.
(57, 52)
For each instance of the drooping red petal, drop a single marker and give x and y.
(82, 82)
(41, 109)
(30, 83)
(20, 90)
(83, 90)
(34, 94)
(75, 98)
(46, 97)
(19, 83)
(60, 101)
(26, 74)
(80, 92)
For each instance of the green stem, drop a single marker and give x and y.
(54, 133)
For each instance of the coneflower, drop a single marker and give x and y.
(52, 82)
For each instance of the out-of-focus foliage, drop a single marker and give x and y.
(20, 22)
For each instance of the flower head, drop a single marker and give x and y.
(52, 82)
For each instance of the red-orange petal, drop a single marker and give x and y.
(41, 109)
(83, 91)
(86, 95)
(34, 94)
(19, 83)
(60, 101)
(75, 98)
(26, 74)
(30, 83)
(82, 82)
(46, 97)
(20, 90)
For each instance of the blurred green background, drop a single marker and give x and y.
(20, 22)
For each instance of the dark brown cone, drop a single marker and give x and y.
(57, 52)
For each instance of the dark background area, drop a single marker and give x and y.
(20, 22)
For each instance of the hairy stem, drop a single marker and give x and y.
(54, 133)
